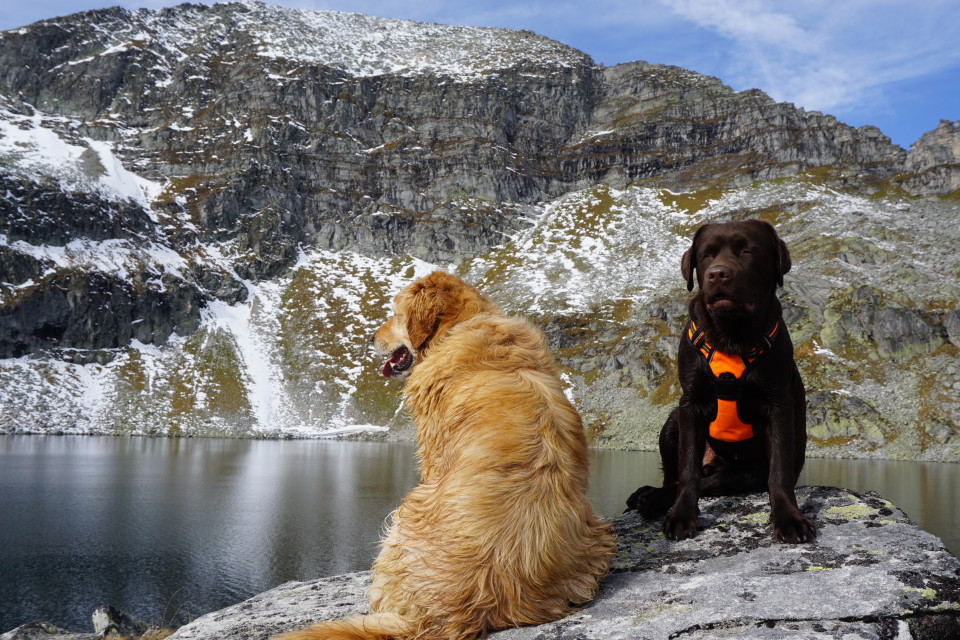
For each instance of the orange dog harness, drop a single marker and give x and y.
(727, 370)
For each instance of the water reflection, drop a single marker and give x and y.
(614, 475)
(925, 491)
(171, 529)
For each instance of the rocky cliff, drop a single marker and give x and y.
(205, 209)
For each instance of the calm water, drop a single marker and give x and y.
(170, 529)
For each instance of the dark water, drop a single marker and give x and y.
(169, 529)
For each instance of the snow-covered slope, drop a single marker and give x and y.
(357, 44)
(599, 269)
(871, 303)
(31, 148)
(293, 359)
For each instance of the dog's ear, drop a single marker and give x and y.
(781, 254)
(428, 300)
(785, 262)
(437, 303)
(688, 264)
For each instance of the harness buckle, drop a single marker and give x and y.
(727, 386)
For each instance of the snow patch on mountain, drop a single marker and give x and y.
(123, 258)
(588, 248)
(31, 149)
(367, 46)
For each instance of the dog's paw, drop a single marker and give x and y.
(794, 529)
(637, 497)
(680, 524)
(650, 502)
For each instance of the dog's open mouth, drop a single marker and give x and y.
(398, 362)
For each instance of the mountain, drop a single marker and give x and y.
(205, 210)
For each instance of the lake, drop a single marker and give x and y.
(169, 529)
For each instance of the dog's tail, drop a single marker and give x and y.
(376, 626)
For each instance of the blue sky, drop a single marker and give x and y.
(894, 64)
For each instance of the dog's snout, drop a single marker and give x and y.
(718, 273)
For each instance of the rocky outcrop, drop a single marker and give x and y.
(44, 631)
(85, 316)
(108, 622)
(271, 149)
(656, 121)
(935, 161)
(39, 213)
(857, 315)
(274, 149)
(871, 573)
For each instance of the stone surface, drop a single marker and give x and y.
(871, 574)
(44, 631)
(288, 606)
(935, 161)
(109, 621)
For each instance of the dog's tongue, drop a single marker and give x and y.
(387, 368)
(398, 356)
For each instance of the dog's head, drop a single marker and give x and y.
(737, 266)
(423, 313)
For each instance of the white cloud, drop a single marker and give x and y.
(824, 54)
(753, 22)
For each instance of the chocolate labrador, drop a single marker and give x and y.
(741, 423)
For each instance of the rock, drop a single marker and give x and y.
(838, 415)
(289, 606)
(935, 159)
(44, 631)
(858, 315)
(91, 313)
(47, 214)
(109, 622)
(951, 323)
(655, 120)
(870, 573)
(310, 148)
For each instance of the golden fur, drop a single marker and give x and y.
(499, 532)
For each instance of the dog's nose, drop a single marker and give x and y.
(718, 274)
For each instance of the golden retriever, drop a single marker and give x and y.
(499, 532)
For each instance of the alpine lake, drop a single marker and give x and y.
(169, 529)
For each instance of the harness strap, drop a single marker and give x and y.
(727, 370)
(697, 338)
